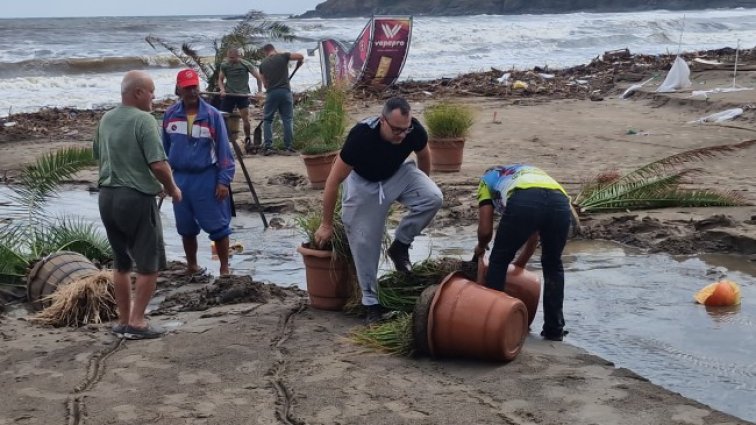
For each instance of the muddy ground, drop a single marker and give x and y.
(280, 362)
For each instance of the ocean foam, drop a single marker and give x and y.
(441, 47)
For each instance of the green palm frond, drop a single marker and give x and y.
(248, 34)
(40, 180)
(12, 265)
(198, 64)
(693, 155)
(607, 195)
(672, 198)
(31, 234)
(658, 185)
(78, 235)
(154, 41)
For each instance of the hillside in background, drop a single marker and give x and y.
(350, 8)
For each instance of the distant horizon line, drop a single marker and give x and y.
(139, 16)
(300, 13)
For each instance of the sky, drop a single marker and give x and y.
(71, 8)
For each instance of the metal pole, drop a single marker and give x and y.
(240, 157)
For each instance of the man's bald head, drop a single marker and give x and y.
(137, 90)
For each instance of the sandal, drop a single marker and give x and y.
(150, 332)
(119, 329)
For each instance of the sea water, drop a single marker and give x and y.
(79, 62)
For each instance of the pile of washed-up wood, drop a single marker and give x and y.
(55, 123)
(597, 78)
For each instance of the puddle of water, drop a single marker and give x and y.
(632, 309)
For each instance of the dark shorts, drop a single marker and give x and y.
(230, 102)
(132, 223)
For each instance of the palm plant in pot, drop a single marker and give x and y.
(321, 135)
(331, 283)
(49, 252)
(448, 124)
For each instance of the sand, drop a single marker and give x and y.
(282, 362)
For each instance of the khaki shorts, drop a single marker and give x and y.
(132, 222)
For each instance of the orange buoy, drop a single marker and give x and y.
(719, 294)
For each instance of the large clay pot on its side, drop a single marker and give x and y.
(54, 271)
(469, 320)
(446, 154)
(327, 279)
(318, 167)
(521, 284)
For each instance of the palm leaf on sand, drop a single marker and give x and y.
(658, 185)
(31, 234)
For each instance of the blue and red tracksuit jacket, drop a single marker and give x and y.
(203, 146)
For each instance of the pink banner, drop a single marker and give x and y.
(377, 56)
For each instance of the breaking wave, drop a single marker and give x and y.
(77, 66)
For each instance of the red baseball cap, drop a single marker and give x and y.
(187, 78)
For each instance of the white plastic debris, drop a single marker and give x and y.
(546, 76)
(504, 79)
(9, 124)
(630, 90)
(677, 79)
(723, 116)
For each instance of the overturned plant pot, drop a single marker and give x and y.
(318, 167)
(327, 278)
(460, 318)
(521, 284)
(446, 154)
(55, 270)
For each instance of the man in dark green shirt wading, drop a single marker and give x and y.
(133, 165)
(235, 91)
(274, 70)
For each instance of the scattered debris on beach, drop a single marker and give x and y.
(224, 290)
(592, 80)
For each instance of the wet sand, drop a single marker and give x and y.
(281, 362)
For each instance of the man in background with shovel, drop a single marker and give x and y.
(233, 82)
(274, 70)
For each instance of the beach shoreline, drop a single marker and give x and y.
(282, 362)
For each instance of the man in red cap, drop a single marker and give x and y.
(196, 142)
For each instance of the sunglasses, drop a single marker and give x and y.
(398, 130)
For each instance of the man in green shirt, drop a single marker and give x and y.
(132, 167)
(235, 90)
(275, 74)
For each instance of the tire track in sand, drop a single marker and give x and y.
(75, 405)
(284, 396)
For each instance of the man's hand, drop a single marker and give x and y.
(221, 191)
(222, 93)
(479, 251)
(176, 195)
(323, 235)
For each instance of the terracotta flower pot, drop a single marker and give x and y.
(469, 320)
(327, 279)
(446, 154)
(521, 284)
(318, 167)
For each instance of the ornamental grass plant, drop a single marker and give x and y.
(448, 120)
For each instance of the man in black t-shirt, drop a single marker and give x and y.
(372, 165)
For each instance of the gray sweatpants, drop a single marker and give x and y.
(365, 207)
